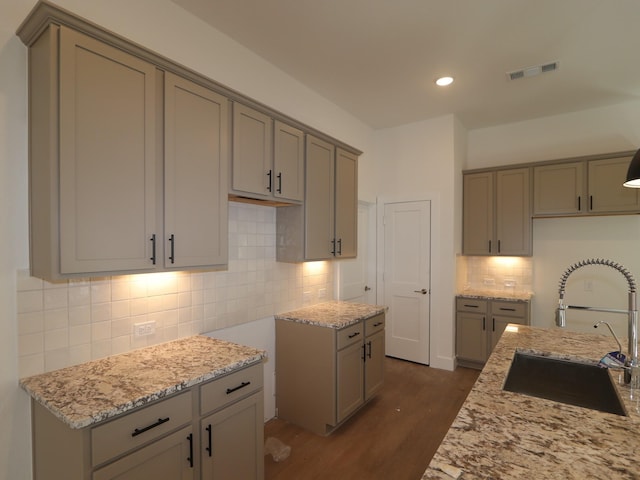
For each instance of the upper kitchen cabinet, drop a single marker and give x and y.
(109, 130)
(93, 194)
(268, 157)
(497, 213)
(195, 202)
(584, 187)
(326, 226)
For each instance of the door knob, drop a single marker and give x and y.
(424, 291)
(367, 288)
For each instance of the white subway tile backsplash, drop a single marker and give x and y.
(70, 322)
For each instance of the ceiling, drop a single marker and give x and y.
(378, 59)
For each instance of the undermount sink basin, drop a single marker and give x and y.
(580, 384)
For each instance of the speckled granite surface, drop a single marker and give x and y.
(94, 391)
(334, 314)
(496, 294)
(502, 435)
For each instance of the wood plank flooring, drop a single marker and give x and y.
(393, 437)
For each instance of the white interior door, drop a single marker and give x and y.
(355, 277)
(407, 279)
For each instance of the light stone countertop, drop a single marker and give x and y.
(334, 314)
(88, 393)
(502, 435)
(496, 295)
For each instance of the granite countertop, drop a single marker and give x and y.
(496, 294)
(334, 314)
(501, 435)
(88, 393)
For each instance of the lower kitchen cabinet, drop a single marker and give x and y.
(212, 430)
(324, 375)
(480, 323)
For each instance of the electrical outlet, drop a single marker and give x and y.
(489, 281)
(143, 329)
(306, 297)
(322, 294)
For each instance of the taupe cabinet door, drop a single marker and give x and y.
(319, 202)
(478, 214)
(195, 204)
(288, 162)
(471, 336)
(374, 364)
(350, 379)
(252, 170)
(234, 450)
(346, 233)
(107, 157)
(559, 189)
(606, 193)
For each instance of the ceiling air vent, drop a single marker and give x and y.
(533, 71)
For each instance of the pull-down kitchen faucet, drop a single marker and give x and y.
(561, 312)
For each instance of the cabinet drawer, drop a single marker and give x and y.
(349, 335)
(374, 324)
(511, 309)
(130, 431)
(229, 388)
(471, 305)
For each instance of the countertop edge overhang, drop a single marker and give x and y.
(88, 393)
(334, 314)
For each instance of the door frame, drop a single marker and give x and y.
(435, 303)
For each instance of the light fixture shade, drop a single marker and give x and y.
(633, 174)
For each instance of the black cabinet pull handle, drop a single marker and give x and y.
(489, 246)
(172, 241)
(369, 345)
(579, 204)
(364, 353)
(339, 246)
(498, 246)
(333, 247)
(153, 248)
(242, 385)
(138, 431)
(484, 327)
(493, 327)
(471, 306)
(590, 202)
(190, 458)
(269, 185)
(508, 309)
(353, 335)
(209, 448)
(378, 324)
(279, 190)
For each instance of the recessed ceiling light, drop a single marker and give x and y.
(444, 81)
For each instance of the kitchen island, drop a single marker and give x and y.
(503, 435)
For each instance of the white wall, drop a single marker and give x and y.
(419, 160)
(163, 27)
(557, 243)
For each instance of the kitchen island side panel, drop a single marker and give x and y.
(306, 375)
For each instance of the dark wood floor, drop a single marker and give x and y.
(393, 437)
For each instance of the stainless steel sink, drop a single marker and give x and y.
(575, 383)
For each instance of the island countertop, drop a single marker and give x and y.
(334, 314)
(88, 393)
(502, 435)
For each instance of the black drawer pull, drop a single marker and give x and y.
(354, 334)
(190, 457)
(508, 309)
(378, 324)
(160, 421)
(209, 448)
(471, 306)
(242, 385)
